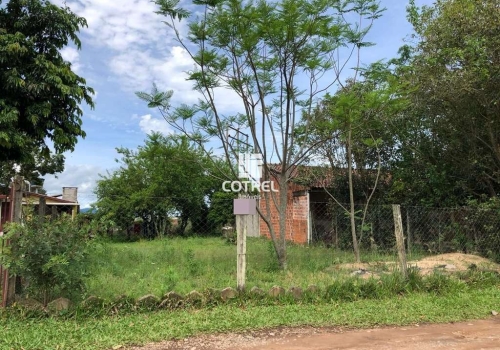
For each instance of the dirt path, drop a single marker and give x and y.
(473, 335)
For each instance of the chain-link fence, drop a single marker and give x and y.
(427, 231)
(129, 223)
(200, 248)
(325, 240)
(331, 225)
(467, 230)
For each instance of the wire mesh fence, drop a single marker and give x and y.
(466, 230)
(427, 231)
(198, 221)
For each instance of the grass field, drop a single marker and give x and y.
(156, 267)
(135, 269)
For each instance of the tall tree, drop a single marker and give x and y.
(40, 95)
(452, 136)
(33, 168)
(278, 58)
(353, 137)
(166, 177)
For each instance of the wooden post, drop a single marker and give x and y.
(9, 280)
(41, 210)
(408, 232)
(241, 249)
(244, 209)
(398, 230)
(18, 199)
(53, 213)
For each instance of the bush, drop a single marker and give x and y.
(50, 257)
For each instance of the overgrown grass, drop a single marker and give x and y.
(138, 328)
(139, 268)
(156, 267)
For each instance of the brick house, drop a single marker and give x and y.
(306, 209)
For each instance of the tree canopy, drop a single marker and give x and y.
(168, 177)
(33, 168)
(450, 137)
(351, 137)
(40, 95)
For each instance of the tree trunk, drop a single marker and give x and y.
(351, 197)
(282, 205)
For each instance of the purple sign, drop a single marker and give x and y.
(245, 206)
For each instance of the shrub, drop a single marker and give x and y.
(50, 257)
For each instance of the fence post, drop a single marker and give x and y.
(16, 202)
(398, 230)
(241, 247)
(41, 210)
(53, 212)
(408, 232)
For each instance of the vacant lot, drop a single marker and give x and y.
(139, 268)
(346, 301)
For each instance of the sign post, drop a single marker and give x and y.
(243, 209)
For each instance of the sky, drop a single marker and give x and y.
(126, 48)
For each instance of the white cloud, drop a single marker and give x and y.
(143, 49)
(149, 124)
(94, 117)
(82, 176)
(138, 69)
(72, 55)
(120, 25)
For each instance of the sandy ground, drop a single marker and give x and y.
(447, 262)
(455, 261)
(473, 335)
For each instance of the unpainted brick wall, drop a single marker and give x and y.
(296, 214)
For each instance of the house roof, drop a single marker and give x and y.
(39, 195)
(313, 176)
(310, 176)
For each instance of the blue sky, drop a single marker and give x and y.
(125, 49)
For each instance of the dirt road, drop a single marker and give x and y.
(473, 335)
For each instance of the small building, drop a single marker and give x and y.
(307, 215)
(311, 215)
(55, 205)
